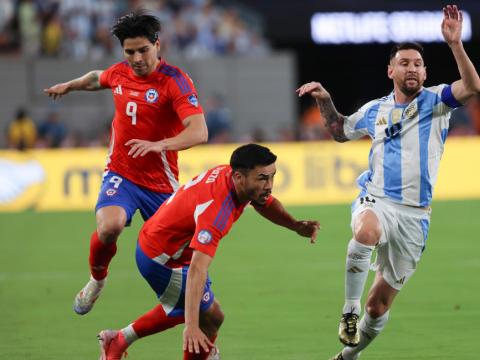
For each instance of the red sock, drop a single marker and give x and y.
(155, 321)
(100, 256)
(202, 356)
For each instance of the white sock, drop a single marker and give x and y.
(369, 329)
(129, 334)
(357, 266)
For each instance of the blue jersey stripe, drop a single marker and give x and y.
(224, 213)
(182, 83)
(368, 121)
(426, 102)
(392, 165)
(444, 135)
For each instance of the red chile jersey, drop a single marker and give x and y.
(196, 217)
(148, 108)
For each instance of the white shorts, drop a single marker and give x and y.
(404, 234)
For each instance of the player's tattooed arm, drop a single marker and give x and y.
(88, 82)
(333, 119)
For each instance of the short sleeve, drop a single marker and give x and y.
(184, 96)
(357, 125)
(212, 224)
(106, 77)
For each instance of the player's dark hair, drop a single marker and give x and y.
(247, 157)
(137, 24)
(405, 46)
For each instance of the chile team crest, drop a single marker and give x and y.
(151, 95)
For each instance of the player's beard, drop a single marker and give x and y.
(410, 90)
(259, 198)
(141, 70)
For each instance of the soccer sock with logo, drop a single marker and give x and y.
(100, 256)
(154, 321)
(202, 356)
(357, 266)
(369, 329)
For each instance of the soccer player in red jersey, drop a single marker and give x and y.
(157, 113)
(178, 243)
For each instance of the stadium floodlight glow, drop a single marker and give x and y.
(381, 27)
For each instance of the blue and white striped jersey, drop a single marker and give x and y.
(407, 143)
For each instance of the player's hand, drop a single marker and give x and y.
(194, 338)
(143, 147)
(315, 89)
(308, 228)
(452, 24)
(57, 90)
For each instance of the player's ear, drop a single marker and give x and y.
(390, 71)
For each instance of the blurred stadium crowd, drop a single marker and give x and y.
(79, 29)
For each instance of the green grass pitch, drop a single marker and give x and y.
(281, 296)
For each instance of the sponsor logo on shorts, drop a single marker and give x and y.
(192, 99)
(151, 95)
(204, 237)
(111, 192)
(400, 281)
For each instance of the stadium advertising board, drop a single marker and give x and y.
(307, 173)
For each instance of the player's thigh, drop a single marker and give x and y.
(117, 192)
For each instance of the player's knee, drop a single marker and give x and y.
(376, 308)
(368, 235)
(218, 318)
(108, 231)
(212, 320)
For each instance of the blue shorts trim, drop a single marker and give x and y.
(116, 190)
(170, 285)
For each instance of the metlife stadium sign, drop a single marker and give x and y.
(381, 27)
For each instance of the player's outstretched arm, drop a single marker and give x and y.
(195, 133)
(193, 336)
(333, 119)
(89, 82)
(469, 84)
(276, 213)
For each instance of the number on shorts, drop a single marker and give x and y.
(131, 110)
(117, 180)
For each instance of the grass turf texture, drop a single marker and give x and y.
(282, 296)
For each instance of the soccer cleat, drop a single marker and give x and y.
(214, 354)
(348, 330)
(112, 345)
(85, 299)
(339, 356)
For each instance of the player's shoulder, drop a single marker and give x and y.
(121, 66)
(436, 89)
(170, 70)
(374, 103)
(175, 75)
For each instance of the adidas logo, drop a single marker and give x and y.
(401, 281)
(381, 121)
(118, 90)
(354, 270)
